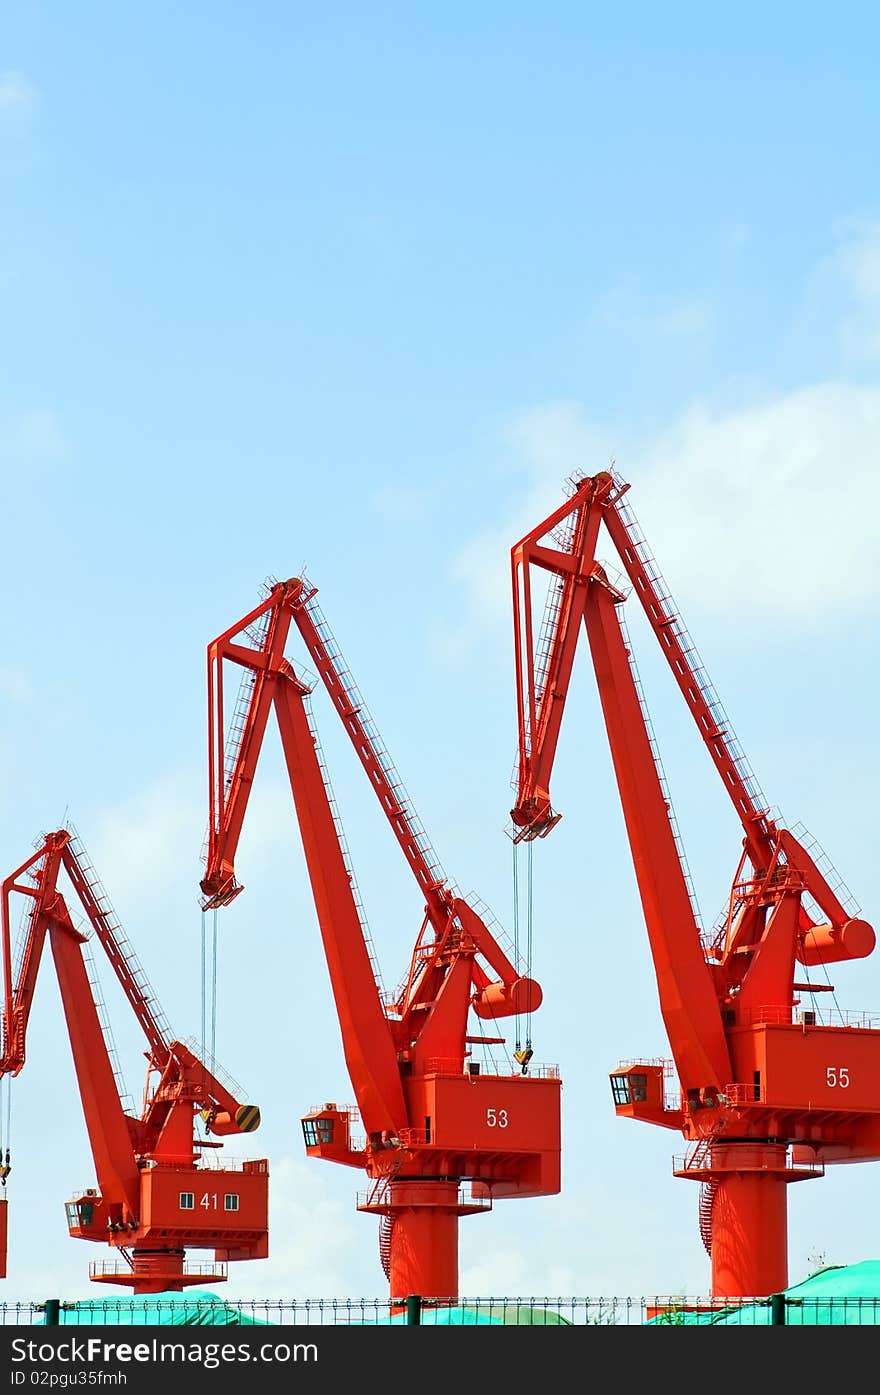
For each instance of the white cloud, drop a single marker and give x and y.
(312, 1237)
(16, 93)
(510, 1272)
(629, 315)
(29, 441)
(137, 843)
(767, 510)
(859, 261)
(152, 840)
(406, 503)
(15, 684)
(39, 433)
(554, 441)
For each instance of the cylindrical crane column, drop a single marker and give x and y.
(750, 1223)
(424, 1239)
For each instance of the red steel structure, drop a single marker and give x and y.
(158, 1192)
(444, 1136)
(767, 1095)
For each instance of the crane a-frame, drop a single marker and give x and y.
(767, 1095)
(158, 1190)
(444, 1136)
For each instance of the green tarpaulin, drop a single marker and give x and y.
(845, 1295)
(486, 1315)
(195, 1308)
(200, 1308)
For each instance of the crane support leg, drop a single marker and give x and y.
(424, 1213)
(749, 1235)
(749, 1217)
(424, 1239)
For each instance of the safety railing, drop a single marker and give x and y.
(773, 1015)
(451, 1065)
(380, 1195)
(701, 1159)
(780, 1309)
(107, 1267)
(209, 1162)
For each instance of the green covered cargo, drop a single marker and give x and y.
(195, 1308)
(837, 1296)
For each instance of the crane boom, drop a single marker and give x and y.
(114, 1156)
(688, 999)
(756, 1101)
(233, 758)
(422, 1102)
(542, 684)
(368, 1048)
(140, 1162)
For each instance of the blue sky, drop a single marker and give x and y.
(356, 290)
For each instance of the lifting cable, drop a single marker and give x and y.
(204, 983)
(214, 988)
(829, 989)
(516, 935)
(209, 990)
(5, 1128)
(516, 926)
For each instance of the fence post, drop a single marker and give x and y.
(52, 1310)
(777, 1310)
(413, 1309)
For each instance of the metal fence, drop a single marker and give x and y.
(777, 1310)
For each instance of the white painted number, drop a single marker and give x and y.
(497, 1118)
(209, 1201)
(837, 1075)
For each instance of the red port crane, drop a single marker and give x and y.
(444, 1136)
(767, 1095)
(159, 1192)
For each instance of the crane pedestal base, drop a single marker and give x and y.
(422, 1236)
(163, 1272)
(747, 1216)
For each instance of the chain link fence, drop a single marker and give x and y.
(777, 1310)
